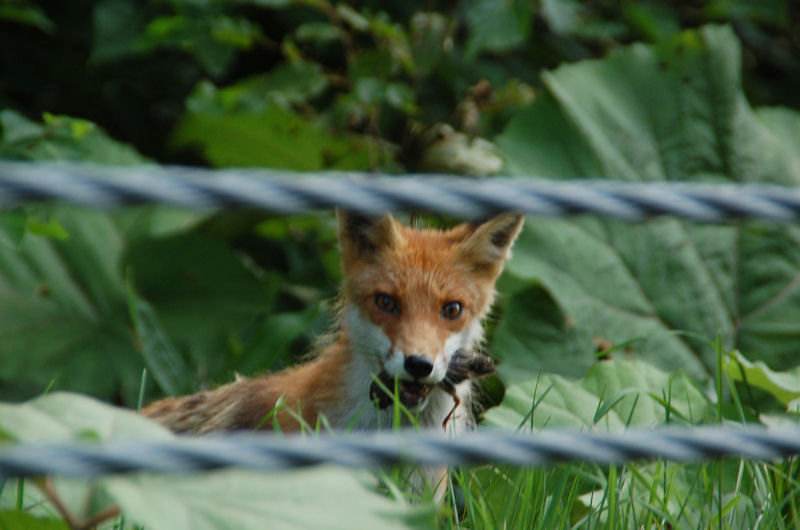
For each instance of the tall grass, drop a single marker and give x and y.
(726, 493)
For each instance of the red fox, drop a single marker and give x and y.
(410, 310)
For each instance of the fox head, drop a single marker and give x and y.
(412, 298)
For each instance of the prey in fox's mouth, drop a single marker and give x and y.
(412, 394)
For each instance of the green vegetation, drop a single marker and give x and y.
(602, 324)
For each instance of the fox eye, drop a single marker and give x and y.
(452, 310)
(386, 303)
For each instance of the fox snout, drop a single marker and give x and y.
(417, 366)
(414, 366)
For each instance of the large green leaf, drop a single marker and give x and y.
(227, 499)
(62, 310)
(664, 288)
(64, 316)
(319, 498)
(63, 416)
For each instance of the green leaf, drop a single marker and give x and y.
(202, 295)
(17, 127)
(674, 111)
(273, 138)
(15, 224)
(62, 310)
(497, 25)
(654, 21)
(613, 395)
(352, 17)
(245, 499)
(19, 519)
(61, 138)
(320, 32)
(220, 500)
(63, 306)
(579, 20)
(547, 343)
(271, 340)
(235, 32)
(49, 229)
(376, 64)
(62, 302)
(563, 16)
(116, 30)
(208, 37)
(285, 85)
(62, 416)
(429, 34)
(784, 386)
(162, 359)
(29, 15)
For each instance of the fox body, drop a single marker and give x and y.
(410, 310)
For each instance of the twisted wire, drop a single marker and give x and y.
(268, 452)
(286, 192)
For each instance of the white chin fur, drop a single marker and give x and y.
(394, 364)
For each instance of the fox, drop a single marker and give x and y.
(409, 324)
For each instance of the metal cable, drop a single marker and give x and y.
(269, 452)
(286, 192)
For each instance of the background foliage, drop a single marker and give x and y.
(641, 91)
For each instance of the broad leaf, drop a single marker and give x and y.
(273, 137)
(220, 500)
(613, 395)
(784, 386)
(62, 310)
(63, 416)
(665, 288)
(318, 498)
(64, 316)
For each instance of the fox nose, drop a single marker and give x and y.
(417, 366)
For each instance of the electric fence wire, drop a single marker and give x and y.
(286, 192)
(269, 452)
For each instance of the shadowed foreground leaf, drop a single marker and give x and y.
(319, 498)
(315, 498)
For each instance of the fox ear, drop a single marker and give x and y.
(362, 238)
(488, 247)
